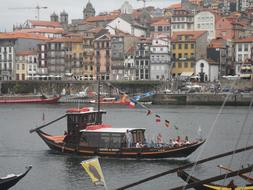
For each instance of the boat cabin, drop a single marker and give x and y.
(110, 137)
(79, 119)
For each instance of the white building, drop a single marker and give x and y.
(126, 25)
(7, 62)
(181, 20)
(208, 68)
(205, 21)
(242, 51)
(160, 59)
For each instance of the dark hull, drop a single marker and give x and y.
(190, 179)
(136, 153)
(30, 100)
(8, 182)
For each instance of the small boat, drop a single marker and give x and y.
(88, 136)
(28, 99)
(11, 179)
(112, 100)
(210, 186)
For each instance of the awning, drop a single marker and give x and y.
(186, 74)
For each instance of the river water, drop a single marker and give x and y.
(51, 171)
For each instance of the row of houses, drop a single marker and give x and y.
(129, 44)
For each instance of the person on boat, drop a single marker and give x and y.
(186, 141)
(138, 145)
(129, 138)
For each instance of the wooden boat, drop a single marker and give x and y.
(88, 136)
(11, 179)
(28, 99)
(210, 186)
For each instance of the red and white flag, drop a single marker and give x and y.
(158, 118)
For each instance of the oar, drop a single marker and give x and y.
(42, 126)
(185, 166)
(245, 177)
(216, 178)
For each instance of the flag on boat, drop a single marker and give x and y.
(92, 167)
(158, 118)
(149, 112)
(167, 123)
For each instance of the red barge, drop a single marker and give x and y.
(28, 99)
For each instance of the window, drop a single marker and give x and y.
(246, 47)
(192, 64)
(179, 55)
(179, 46)
(160, 28)
(179, 64)
(185, 64)
(239, 47)
(185, 55)
(192, 46)
(185, 46)
(174, 46)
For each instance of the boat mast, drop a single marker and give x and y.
(98, 97)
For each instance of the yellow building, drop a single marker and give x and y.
(187, 47)
(74, 55)
(21, 65)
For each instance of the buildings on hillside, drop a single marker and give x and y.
(132, 44)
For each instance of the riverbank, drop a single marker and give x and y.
(242, 99)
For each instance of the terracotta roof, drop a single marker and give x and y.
(195, 1)
(24, 53)
(45, 23)
(101, 18)
(175, 6)
(43, 30)
(195, 35)
(218, 43)
(17, 35)
(162, 21)
(96, 30)
(245, 40)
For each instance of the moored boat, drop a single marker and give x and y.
(210, 186)
(113, 100)
(11, 179)
(29, 99)
(87, 135)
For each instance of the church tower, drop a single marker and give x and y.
(64, 18)
(54, 17)
(88, 11)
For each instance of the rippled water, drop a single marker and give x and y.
(19, 148)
